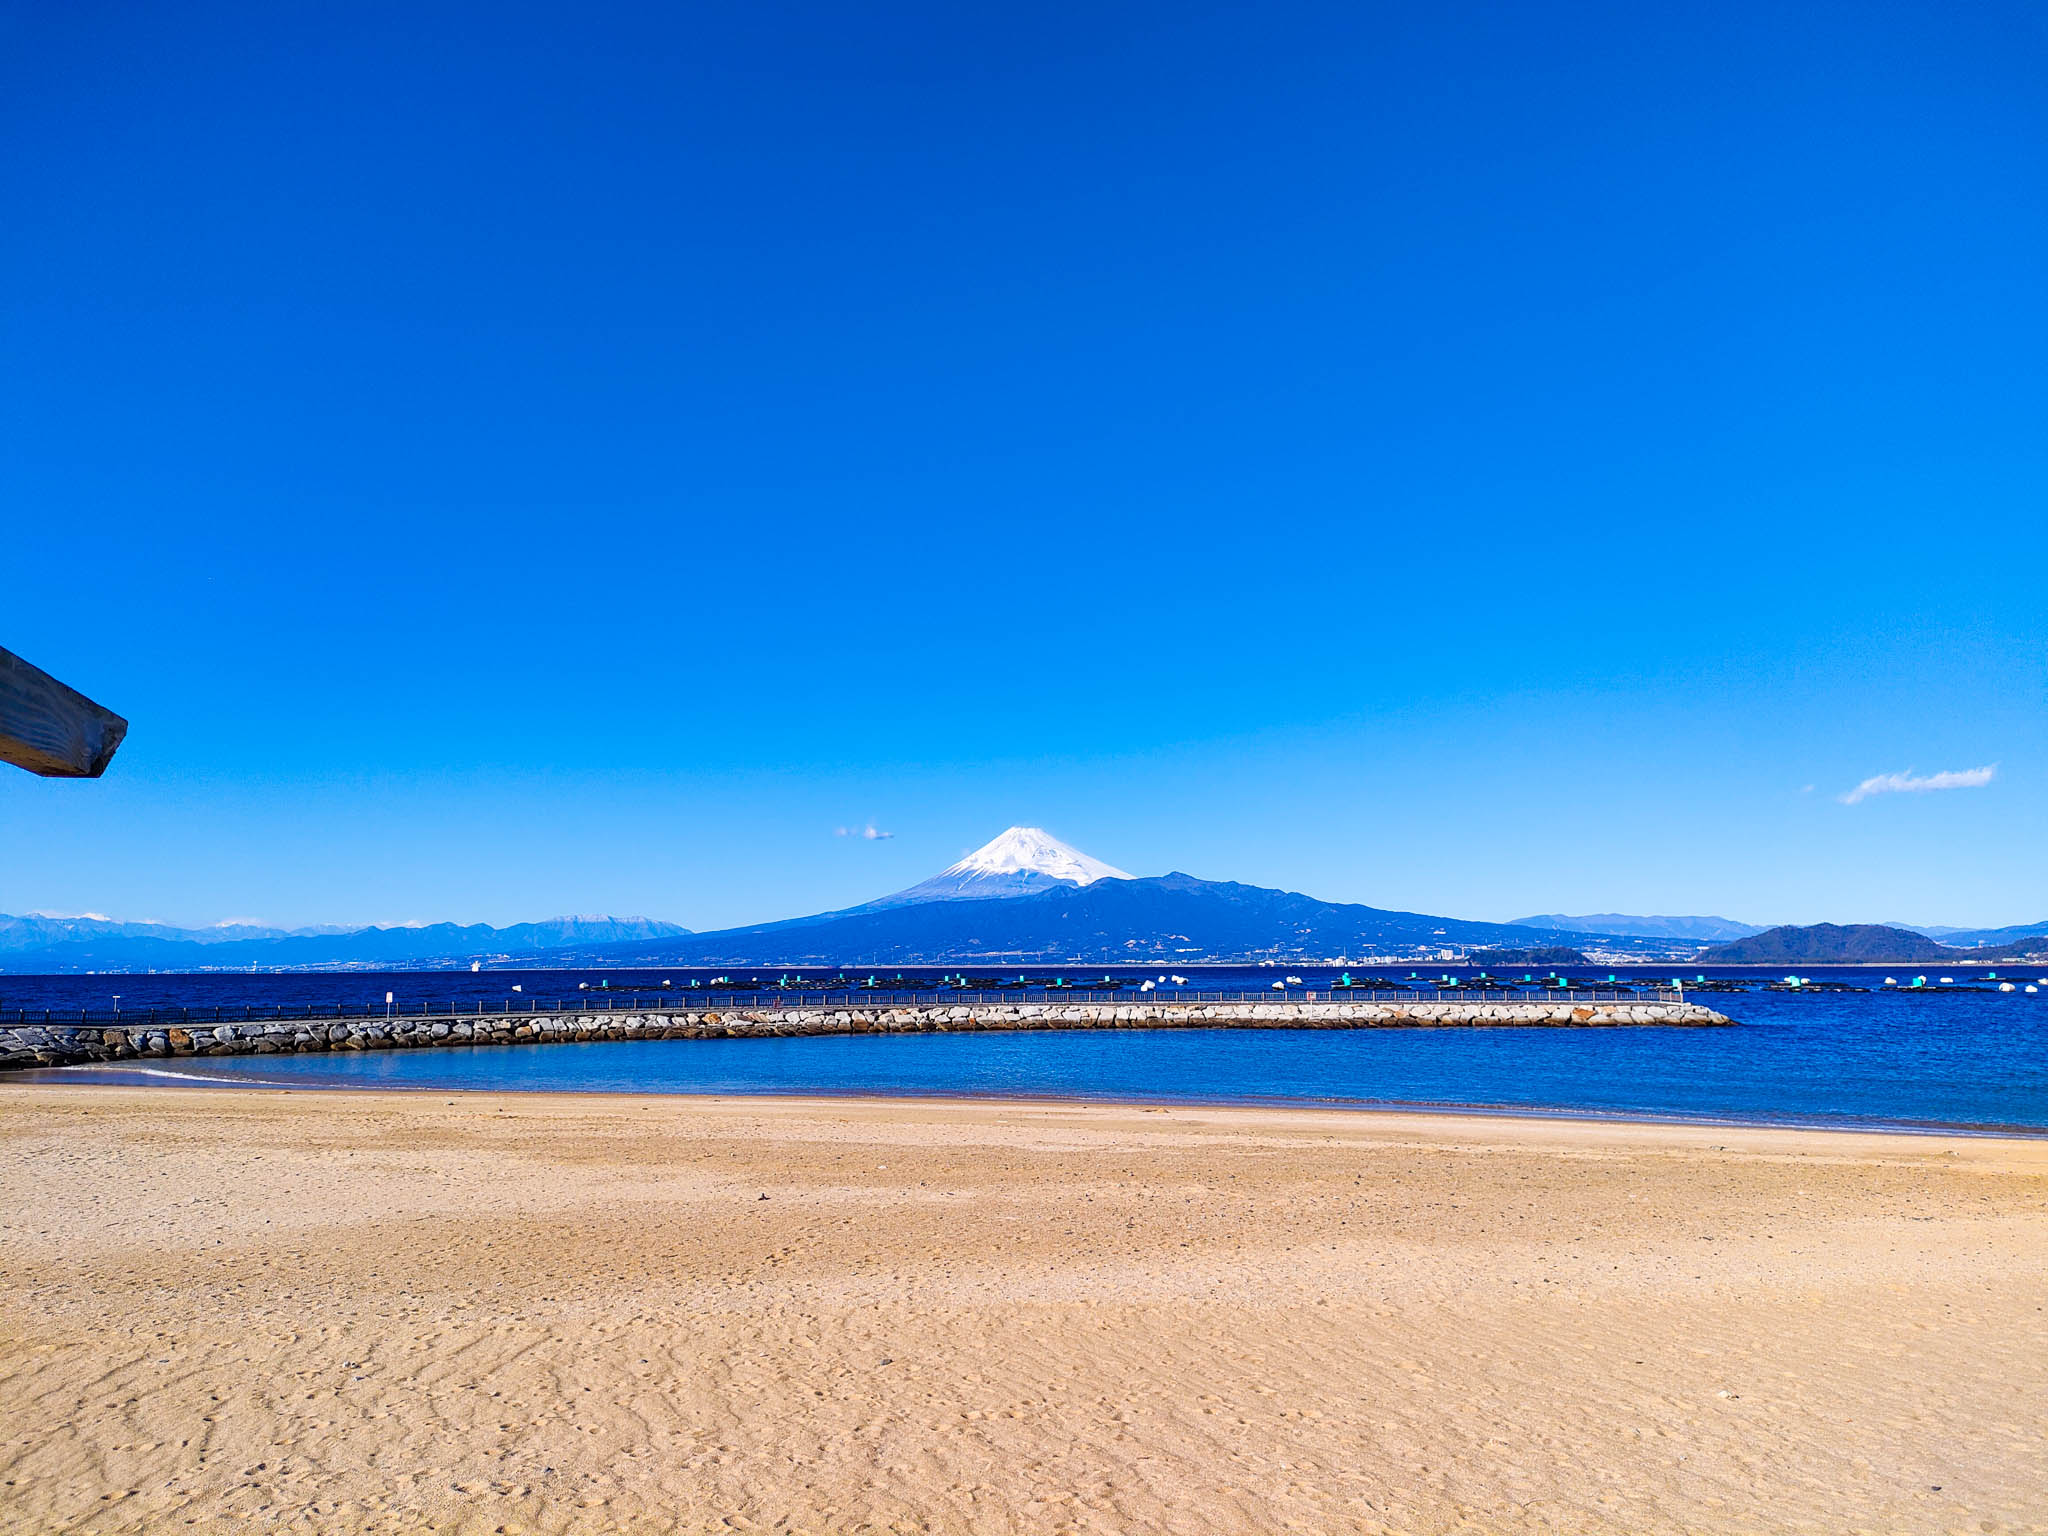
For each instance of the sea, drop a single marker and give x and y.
(1839, 1048)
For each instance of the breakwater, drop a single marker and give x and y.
(54, 1043)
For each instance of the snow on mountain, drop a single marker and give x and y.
(1021, 862)
(1036, 850)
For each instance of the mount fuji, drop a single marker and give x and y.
(1026, 898)
(1024, 861)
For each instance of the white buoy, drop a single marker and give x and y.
(2005, 986)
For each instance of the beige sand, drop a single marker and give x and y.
(337, 1312)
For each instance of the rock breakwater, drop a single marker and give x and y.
(54, 1044)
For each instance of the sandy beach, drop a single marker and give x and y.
(253, 1310)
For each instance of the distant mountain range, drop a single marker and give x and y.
(1987, 938)
(1025, 899)
(61, 944)
(40, 930)
(1702, 930)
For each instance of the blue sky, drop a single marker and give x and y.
(1479, 459)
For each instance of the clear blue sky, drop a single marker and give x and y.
(1482, 459)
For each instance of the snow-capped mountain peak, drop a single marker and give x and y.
(1022, 862)
(1035, 850)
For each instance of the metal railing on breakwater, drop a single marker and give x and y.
(695, 1001)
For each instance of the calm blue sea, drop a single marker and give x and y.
(1972, 1057)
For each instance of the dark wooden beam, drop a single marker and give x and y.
(50, 729)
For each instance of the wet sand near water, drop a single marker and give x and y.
(341, 1311)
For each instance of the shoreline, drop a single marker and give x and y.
(108, 1076)
(585, 1312)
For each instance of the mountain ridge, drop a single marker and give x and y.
(1705, 930)
(104, 944)
(1172, 918)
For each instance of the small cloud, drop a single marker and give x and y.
(1908, 783)
(870, 832)
(1806, 789)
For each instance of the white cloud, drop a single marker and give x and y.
(1908, 783)
(870, 832)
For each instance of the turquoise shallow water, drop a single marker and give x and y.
(1968, 1059)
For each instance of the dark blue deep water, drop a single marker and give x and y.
(1974, 1058)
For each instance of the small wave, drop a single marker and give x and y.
(124, 1070)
